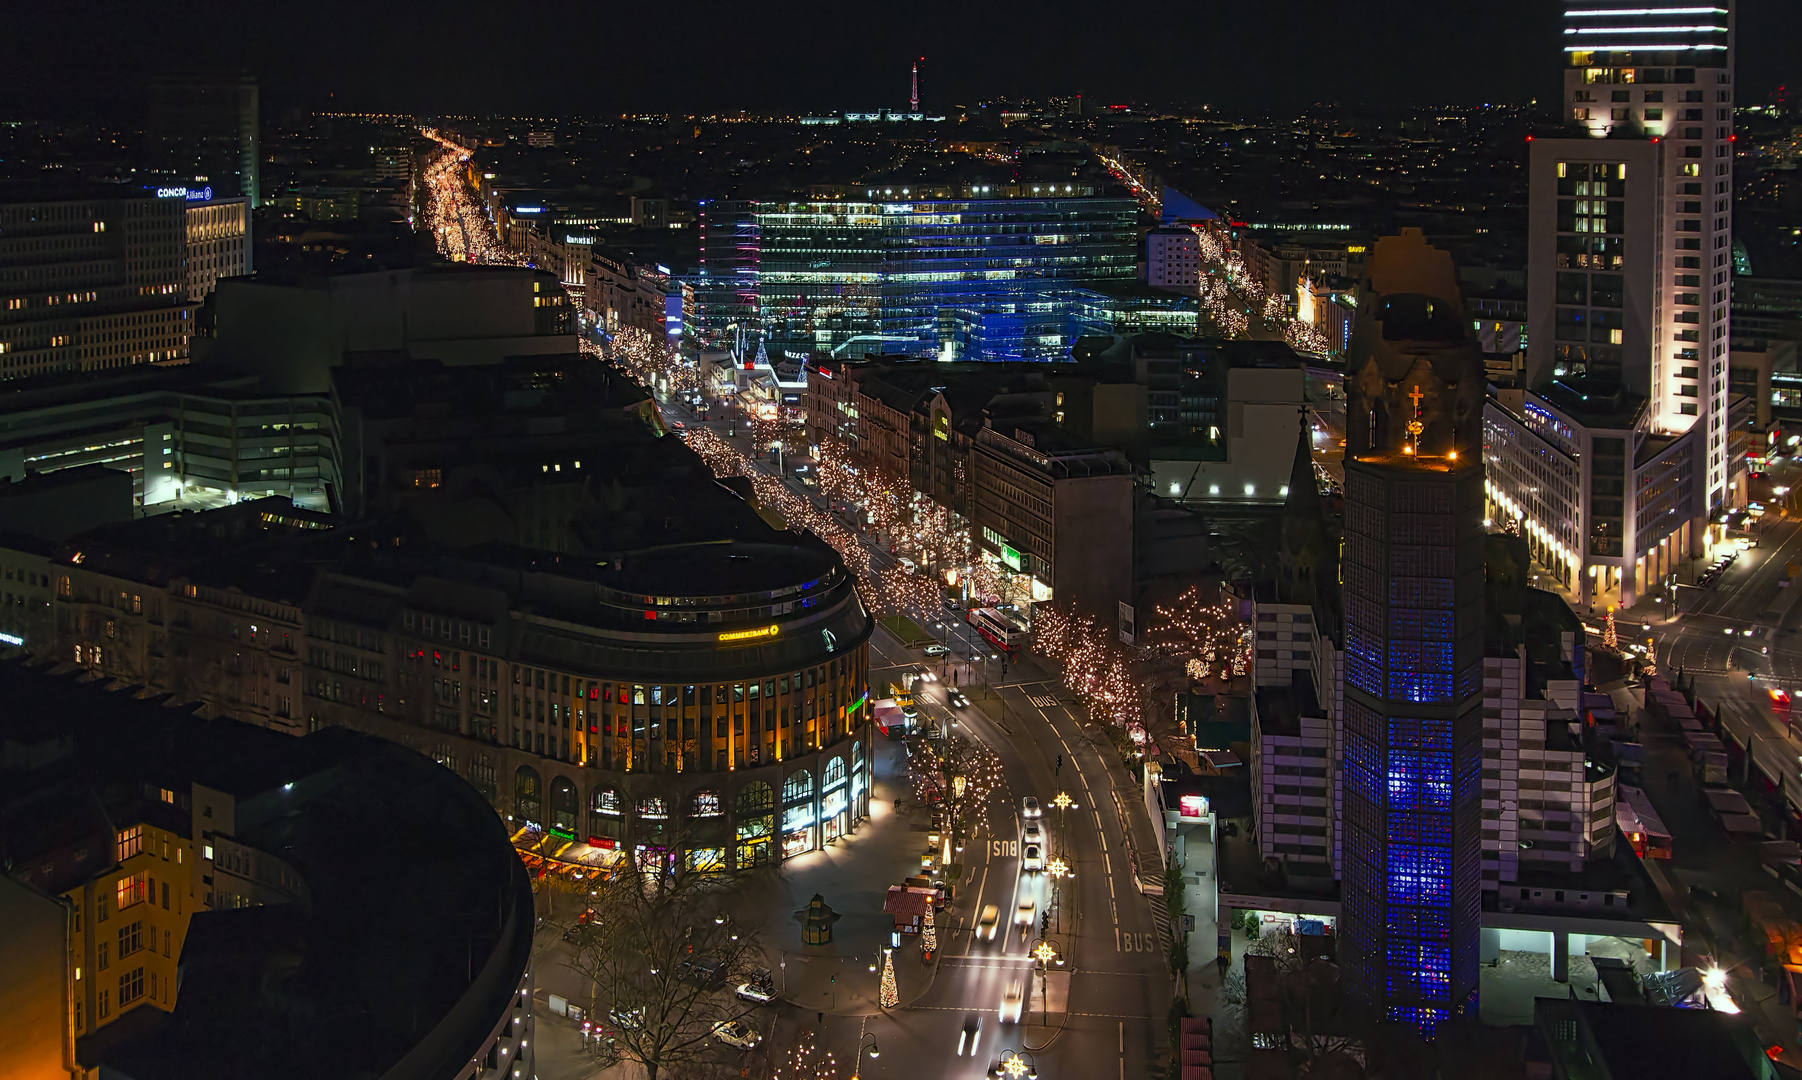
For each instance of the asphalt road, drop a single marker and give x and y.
(1118, 987)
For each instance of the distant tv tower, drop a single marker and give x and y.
(914, 100)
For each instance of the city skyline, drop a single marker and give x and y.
(1239, 59)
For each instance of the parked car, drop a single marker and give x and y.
(936, 650)
(626, 1018)
(736, 1033)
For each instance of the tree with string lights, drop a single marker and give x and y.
(888, 997)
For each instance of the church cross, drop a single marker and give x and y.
(1415, 397)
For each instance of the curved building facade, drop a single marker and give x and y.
(704, 702)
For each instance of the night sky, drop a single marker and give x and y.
(609, 56)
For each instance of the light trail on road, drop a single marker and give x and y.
(461, 227)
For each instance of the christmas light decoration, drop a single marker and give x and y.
(929, 936)
(889, 997)
(806, 1061)
(458, 221)
(1609, 640)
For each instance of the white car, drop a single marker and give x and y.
(987, 922)
(1011, 1002)
(1024, 913)
(627, 1018)
(754, 993)
(1031, 833)
(1032, 857)
(736, 1033)
(936, 650)
(1029, 808)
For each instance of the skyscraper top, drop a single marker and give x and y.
(1629, 26)
(1414, 379)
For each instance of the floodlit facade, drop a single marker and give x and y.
(218, 243)
(1631, 255)
(1413, 598)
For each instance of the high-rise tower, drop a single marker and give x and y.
(1413, 599)
(204, 126)
(913, 101)
(1640, 296)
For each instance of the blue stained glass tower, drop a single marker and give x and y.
(1413, 597)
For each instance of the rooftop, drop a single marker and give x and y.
(357, 978)
(1281, 708)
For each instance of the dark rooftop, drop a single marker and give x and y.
(365, 971)
(1281, 708)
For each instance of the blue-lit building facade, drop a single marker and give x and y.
(1413, 595)
(977, 274)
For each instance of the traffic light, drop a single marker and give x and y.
(1060, 763)
(1044, 923)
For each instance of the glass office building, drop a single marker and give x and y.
(957, 278)
(1011, 262)
(819, 276)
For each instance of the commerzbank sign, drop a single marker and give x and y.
(748, 635)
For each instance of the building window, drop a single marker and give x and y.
(131, 890)
(131, 938)
(131, 986)
(131, 841)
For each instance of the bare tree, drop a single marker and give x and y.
(1318, 1025)
(664, 956)
(959, 774)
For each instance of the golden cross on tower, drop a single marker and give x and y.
(1415, 397)
(1415, 427)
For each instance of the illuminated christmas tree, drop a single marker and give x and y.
(1609, 641)
(929, 937)
(890, 997)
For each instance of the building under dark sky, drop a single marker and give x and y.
(1413, 594)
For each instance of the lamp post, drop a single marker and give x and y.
(1063, 802)
(872, 1049)
(1044, 952)
(1058, 869)
(1014, 1064)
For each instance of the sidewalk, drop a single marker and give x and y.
(852, 875)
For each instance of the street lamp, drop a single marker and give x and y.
(1044, 952)
(874, 1051)
(1014, 1065)
(1058, 869)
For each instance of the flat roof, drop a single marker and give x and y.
(357, 978)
